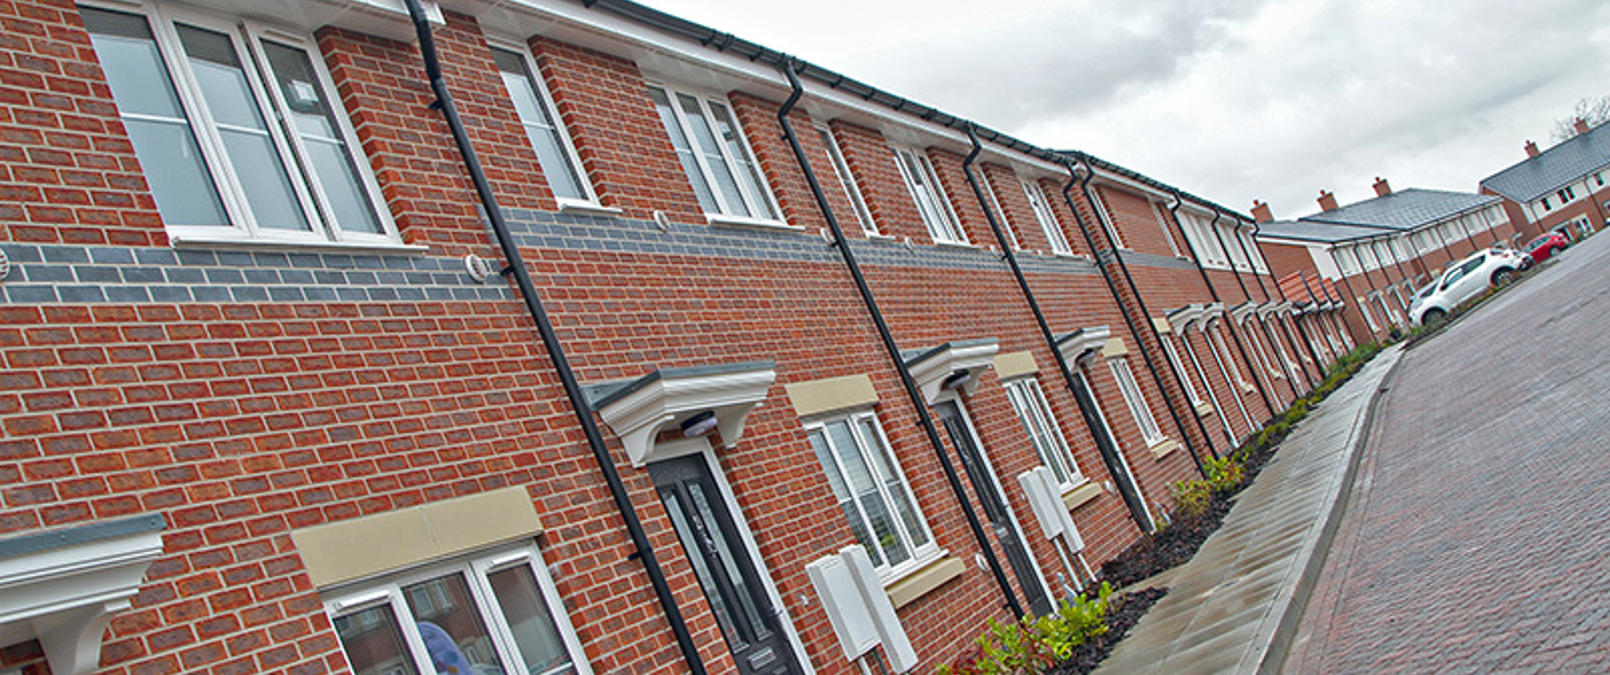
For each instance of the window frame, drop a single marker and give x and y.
(1027, 399)
(1174, 357)
(725, 212)
(943, 216)
(246, 38)
(852, 191)
(1046, 216)
(533, 73)
(474, 568)
(920, 556)
(1000, 213)
(1168, 233)
(1139, 408)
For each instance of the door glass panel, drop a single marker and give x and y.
(373, 643)
(721, 546)
(535, 634)
(451, 628)
(247, 143)
(860, 477)
(315, 122)
(160, 130)
(688, 535)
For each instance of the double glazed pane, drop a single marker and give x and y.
(374, 643)
(540, 127)
(248, 144)
(870, 490)
(157, 125)
(842, 170)
(710, 148)
(1048, 219)
(328, 157)
(451, 628)
(540, 645)
(1136, 402)
(925, 192)
(1029, 402)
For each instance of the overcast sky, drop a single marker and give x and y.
(1229, 99)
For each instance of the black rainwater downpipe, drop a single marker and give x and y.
(1320, 316)
(1397, 261)
(1340, 274)
(1235, 334)
(1081, 394)
(1381, 292)
(1269, 335)
(550, 341)
(1129, 321)
(927, 423)
(1294, 320)
(1196, 259)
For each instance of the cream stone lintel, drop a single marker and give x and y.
(1115, 348)
(830, 394)
(920, 582)
(1163, 447)
(1077, 497)
(1015, 364)
(1162, 324)
(352, 549)
(1204, 408)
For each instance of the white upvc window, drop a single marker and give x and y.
(543, 128)
(925, 191)
(1179, 367)
(237, 127)
(1238, 256)
(873, 492)
(1028, 401)
(1364, 308)
(1136, 401)
(715, 156)
(841, 169)
(1252, 250)
(1216, 333)
(1168, 232)
(1000, 213)
(1046, 217)
(1105, 217)
(1251, 331)
(495, 613)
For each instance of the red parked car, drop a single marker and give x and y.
(1545, 245)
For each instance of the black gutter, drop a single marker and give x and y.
(1235, 334)
(550, 341)
(1112, 287)
(1081, 393)
(926, 422)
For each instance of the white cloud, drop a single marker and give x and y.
(1229, 99)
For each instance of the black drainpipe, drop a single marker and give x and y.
(1338, 318)
(1112, 287)
(1320, 317)
(1236, 333)
(550, 341)
(1349, 285)
(1268, 334)
(843, 245)
(1081, 394)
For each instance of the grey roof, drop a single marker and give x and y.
(81, 534)
(1321, 232)
(1572, 159)
(1405, 209)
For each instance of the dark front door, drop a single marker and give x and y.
(726, 573)
(994, 506)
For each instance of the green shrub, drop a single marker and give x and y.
(1191, 497)
(1224, 474)
(1034, 645)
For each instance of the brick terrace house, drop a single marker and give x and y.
(269, 407)
(1381, 250)
(1561, 188)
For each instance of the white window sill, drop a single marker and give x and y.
(754, 223)
(897, 573)
(956, 244)
(876, 236)
(195, 242)
(587, 208)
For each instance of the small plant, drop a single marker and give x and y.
(1191, 498)
(1224, 474)
(1034, 645)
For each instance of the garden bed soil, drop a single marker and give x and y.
(1131, 607)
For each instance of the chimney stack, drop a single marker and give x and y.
(1531, 149)
(1382, 189)
(1581, 126)
(1260, 212)
(1327, 201)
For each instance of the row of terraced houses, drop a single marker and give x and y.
(564, 340)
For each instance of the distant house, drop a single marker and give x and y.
(1561, 188)
(1379, 250)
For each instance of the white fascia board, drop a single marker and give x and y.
(691, 64)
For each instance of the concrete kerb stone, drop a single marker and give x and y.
(1278, 643)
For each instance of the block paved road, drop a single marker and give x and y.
(1478, 536)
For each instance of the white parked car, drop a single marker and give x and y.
(1462, 281)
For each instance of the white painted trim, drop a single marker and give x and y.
(638, 417)
(930, 373)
